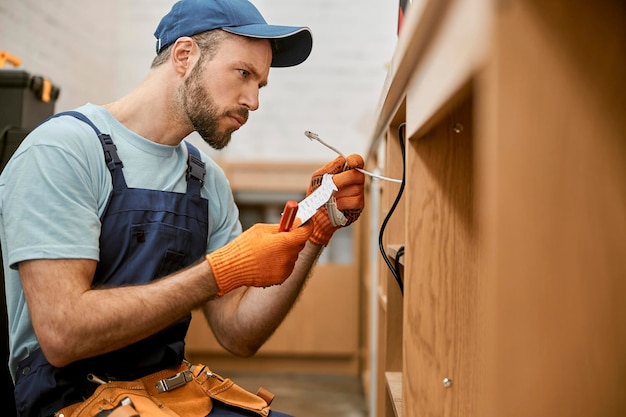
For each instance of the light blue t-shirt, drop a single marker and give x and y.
(54, 189)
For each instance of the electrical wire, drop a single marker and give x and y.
(315, 136)
(395, 269)
(399, 255)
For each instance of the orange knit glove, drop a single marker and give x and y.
(259, 257)
(349, 197)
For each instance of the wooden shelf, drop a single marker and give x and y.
(394, 388)
(392, 252)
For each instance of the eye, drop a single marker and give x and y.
(244, 73)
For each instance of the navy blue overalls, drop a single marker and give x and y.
(146, 234)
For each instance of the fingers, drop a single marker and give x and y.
(298, 234)
(350, 177)
(340, 163)
(343, 173)
(296, 223)
(350, 184)
(293, 240)
(333, 167)
(302, 231)
(355, 161)
(353, 202)
(350, 193)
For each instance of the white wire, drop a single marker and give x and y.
(314, 136)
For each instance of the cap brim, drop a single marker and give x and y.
(293, 44)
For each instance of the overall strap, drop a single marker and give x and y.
(113, 161)
(195, 170)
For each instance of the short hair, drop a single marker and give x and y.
(208, 42)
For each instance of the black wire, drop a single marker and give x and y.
(399, 254)
(395, 269)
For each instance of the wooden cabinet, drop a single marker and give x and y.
(513, 214)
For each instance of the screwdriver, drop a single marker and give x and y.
(288, 216)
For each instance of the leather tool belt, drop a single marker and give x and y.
(186, 391)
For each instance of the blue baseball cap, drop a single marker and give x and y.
(188, 17)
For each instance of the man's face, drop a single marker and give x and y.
(218, 93)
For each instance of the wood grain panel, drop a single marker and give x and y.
(556, 231)
(441, 317)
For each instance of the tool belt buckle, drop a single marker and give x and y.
(173, 382)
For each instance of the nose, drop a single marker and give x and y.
(250, 99)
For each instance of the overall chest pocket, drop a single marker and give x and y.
(158, 247)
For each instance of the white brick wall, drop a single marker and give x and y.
(66, 41)
(96, 51)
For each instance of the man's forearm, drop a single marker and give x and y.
(255, 313)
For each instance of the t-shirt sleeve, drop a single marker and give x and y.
(51, 192)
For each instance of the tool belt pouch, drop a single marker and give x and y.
(187, 391)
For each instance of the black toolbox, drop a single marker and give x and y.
(25, 99)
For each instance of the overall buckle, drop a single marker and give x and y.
(173, 382)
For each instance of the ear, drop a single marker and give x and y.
(184, 55)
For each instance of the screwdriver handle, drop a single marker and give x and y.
(288, 216)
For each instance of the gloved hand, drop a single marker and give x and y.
(259, 257)
(349, 197)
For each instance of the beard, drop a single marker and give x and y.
(203, 112)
